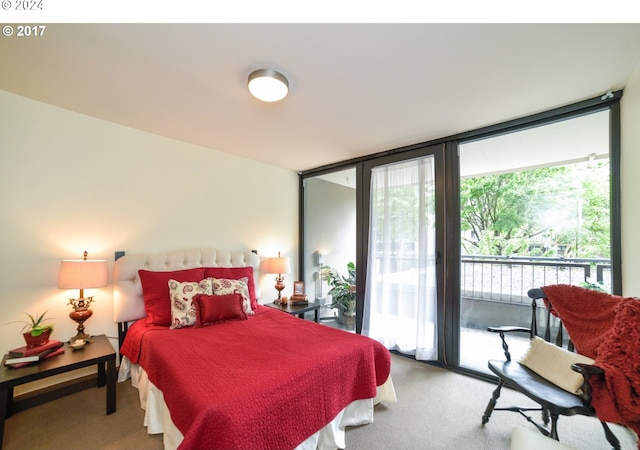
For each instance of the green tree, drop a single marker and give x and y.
(502, 213)
(588, 233)
(534, 212)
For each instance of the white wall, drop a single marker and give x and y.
(630, 185)
(70, 183)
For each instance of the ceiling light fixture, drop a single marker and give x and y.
(268, 85)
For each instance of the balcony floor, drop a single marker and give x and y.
(478, 346)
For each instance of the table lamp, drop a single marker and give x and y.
(82, 274)
(279, 266)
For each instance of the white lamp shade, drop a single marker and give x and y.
(268, 85)
(279, 265)
(82, 274)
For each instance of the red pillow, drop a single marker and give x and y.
(212, 309)
(235, 273)
(155, 292)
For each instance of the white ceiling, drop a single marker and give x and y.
(355, 89)
(574, 140)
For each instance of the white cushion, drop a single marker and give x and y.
(553, 363)
(525, 439)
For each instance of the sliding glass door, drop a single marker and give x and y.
(401, 288)
(534, 210)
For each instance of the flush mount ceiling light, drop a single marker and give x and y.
(268, 85)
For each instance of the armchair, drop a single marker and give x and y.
(553, 401)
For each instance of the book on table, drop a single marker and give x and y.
(31, 351)
(21, 361)
(298, 300)
(26, 355)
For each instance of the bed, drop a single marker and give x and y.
(215, 379)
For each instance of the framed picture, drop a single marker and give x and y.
(298, 288)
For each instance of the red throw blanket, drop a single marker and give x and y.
(268, 382)
(606, 328)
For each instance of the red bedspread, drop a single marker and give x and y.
(606, 328)
(264, 383)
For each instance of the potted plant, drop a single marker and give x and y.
(343, 292)
(35, 331)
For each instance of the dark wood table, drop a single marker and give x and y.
(298, 310)
(99, 352)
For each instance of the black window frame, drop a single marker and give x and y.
(449, 309)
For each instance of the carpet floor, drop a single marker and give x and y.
(436, 409)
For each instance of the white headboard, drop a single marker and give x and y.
(128, 304)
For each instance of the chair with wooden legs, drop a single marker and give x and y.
(553, 401)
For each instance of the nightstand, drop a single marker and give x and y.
(100, 352)
(298, 310)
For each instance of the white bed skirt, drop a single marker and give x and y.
(158, 420)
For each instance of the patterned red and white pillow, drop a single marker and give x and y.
(235, 273)
(224, 286)
(157, 301)
(183, 310)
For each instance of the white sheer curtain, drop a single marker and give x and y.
(400, 299)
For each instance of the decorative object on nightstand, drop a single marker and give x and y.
(298, 297)
(279, 265)
(82, 274)
(35, 331)
(78, 344)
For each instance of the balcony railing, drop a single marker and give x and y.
(508, 279)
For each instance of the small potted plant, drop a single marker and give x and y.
(36, 331)
(342, 292)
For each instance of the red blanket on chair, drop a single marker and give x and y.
(606, 328)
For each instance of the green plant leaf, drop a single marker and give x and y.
(35, 323)
(342, 288)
